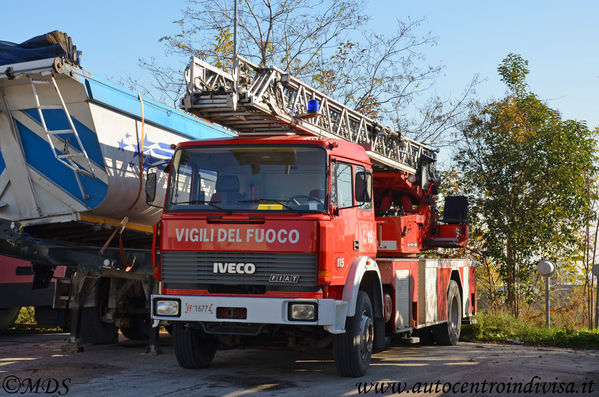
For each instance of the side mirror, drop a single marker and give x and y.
(363, 187)
(167, 167)
(150, 187)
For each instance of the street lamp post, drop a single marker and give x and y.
(546, 269)
(595, 272)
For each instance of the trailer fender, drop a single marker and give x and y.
(362, 267)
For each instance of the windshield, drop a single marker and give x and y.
(248, 178)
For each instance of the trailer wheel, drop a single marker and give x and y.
(448, 333)
(193, 347)
(94, 330)
(46, 316)
(8, 317)
(353, 349)
(139, 328)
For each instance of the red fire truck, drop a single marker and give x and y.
(307, 229)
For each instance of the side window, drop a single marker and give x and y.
(366, 205)
(342, 189)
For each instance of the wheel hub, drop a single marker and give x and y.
(366, 335)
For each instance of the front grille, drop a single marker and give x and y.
(185, 268)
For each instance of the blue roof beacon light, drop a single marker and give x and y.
(313, 106)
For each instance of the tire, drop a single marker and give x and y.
(448, 333)
(193, 347)
(94, 330)
(45, 316)
(139, 328)
(353, 349)
(8, 317)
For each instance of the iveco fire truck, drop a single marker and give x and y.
(304, 230)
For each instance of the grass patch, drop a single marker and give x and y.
(504, 328)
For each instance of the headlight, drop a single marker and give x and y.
(166, 307)
(302, 311)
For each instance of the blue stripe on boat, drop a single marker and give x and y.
(38, 155)
(56, 119)
(2, 164)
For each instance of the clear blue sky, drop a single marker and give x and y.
(559, 39)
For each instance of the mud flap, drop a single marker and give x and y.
(381, 341)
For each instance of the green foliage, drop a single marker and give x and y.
(26, 315)
(26, 322)
(504, 328)
(513, 71)
(223, 44)
(524, 169)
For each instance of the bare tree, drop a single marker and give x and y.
(327, 45)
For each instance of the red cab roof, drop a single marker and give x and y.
(337, 147)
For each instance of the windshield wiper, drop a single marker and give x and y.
(266, 200)
(204, 202)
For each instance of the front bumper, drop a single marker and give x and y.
(331, 313)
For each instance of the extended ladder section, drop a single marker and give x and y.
(267, 101)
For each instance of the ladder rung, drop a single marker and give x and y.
(56, 132)
(64, 280)
(70, 155)
(50, 107)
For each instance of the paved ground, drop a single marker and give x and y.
(126, 370)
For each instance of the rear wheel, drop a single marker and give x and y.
(193, 347)
(94, 329)
(448, 333)
(8, 317)
(353, 349)
(46, 316)
(138, 329)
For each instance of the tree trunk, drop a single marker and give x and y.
(592, 289)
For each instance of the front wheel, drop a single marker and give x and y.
(193, 347)
(448, 333)
(353, 349)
